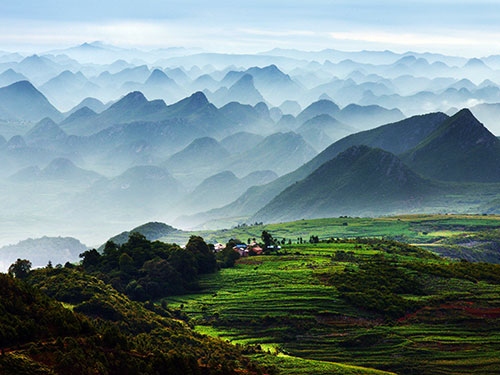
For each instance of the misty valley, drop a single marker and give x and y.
(178, 211)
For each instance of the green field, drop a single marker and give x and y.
(413, 228)
(284, 304)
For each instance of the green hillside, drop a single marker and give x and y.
(461, 149)
(152, 231)
(371, 303)
(42, 336)
(397, 138)
(358, 181)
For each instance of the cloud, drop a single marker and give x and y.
(37, 36)
(277, 33)
(408, 39)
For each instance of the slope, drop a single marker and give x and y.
(360, 180)
(396, 138)
(461, 149)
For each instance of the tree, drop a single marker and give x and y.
(20, 269)
(185, 263)
(267, 239)
(205, 258)
(227, 257)
(90, 257)
(126, 264)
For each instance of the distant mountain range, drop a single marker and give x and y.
(40, 251)
(179, 134)
(360, 181)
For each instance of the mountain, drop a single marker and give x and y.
(368, 117)
(45, 131)
(396, 138)
(318, 108)
(476, 63)
(23, 101)
(135, 75)
(242, 91)
(288, 122)
(202, 153)
(274, 84)
(38, 68)
(359, 181)
(234, 142)
(290, 107)
(60, 169)
(152, 231)
(139, 192)
(158, 77)
(160, 86)
(204, 82)
(279, 152)
(132, 106)
(16, 154)
(92, 103)
(10, 76)
(248, 118)
(179, 75)
(194, 114)
(460, 149)
(68, 88)
(322, 130)
(221, 189)
(40, 250)
(74, 120)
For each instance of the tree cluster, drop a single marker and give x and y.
(146, 270)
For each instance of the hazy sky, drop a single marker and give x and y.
(469, 28)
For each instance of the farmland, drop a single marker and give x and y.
(294, 305)
(409, 228)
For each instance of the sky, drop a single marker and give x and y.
(466, 28)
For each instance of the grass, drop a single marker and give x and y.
(298, 366)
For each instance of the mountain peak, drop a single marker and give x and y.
(157, 76)
(16, 142)
(132, 98)
(460, 149)
(59, 165)
(25, 86)
(199, 99)
(318, 108)
(357, 178)
(244, 81)
(45, 122)
(475, 63)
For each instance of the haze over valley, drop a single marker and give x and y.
(250, 188)
(101, 137)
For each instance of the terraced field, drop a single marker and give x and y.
(289, 306)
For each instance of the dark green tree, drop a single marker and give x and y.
(126, 264)
(227, 257)
(267, 239)
(20, 269)
(204, 256)
(90, 258)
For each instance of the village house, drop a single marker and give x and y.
(246, 250)
(219, 247)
